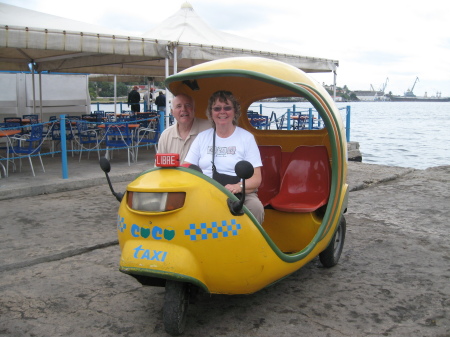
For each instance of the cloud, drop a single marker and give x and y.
(398, 39)
(376, 57)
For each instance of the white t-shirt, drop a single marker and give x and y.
(241, 145)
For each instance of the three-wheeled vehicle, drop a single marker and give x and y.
(180, 229)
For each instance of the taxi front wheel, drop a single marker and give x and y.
(176, 302)
(330, 256)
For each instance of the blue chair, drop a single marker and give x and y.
(146, 136)
(31, 145)
(100, 112)
(147, 120)
(34, 119)
(56, 134)
(110, 117)
(99, 117)
(118, 136)
(11, 122)
(87, 136)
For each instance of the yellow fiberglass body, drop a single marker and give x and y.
(201, 242)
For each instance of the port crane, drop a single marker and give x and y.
(383, 88)
(409, 93)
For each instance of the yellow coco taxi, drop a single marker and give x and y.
(180, 229)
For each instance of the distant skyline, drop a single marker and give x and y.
(373, 41)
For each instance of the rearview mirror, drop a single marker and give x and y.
(244, 169)
(105, 165)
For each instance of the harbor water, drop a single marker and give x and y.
(405, 134)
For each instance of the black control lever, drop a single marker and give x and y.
(106, 167)
(244, 170)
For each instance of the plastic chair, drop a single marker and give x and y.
(147, 136)
(87, 136)
(34, 119)
(56, 134)
(100, 112)
(110, 117)
(99, 115)
(147, 120)
(118, 136)
(13, 123)
(306, 182)
(33, 143)
(270, 172)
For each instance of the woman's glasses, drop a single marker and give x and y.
(219, 108)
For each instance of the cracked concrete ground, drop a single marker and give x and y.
(59, 270)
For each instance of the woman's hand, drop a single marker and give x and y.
(234, 188)
(250, 184)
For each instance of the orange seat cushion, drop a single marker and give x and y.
(306, 182)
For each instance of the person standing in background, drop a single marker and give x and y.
(161, 102)
(134, 98)
(148, 96)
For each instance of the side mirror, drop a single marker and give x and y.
(244, 170)
(106, 167)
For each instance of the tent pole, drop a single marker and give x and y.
(34, 94)
(153, 86)
(162, 119)
(175, 59)
(40, 94)
(115, 95)
(334, 85)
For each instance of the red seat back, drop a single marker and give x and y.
(270, 172)
(306, 182)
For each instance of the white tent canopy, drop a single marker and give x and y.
(196, 40)
(56, 44)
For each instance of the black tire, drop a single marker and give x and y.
(330, 256)
(176, 302)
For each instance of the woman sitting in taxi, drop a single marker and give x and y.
(216, 151)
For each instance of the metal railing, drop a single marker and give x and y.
(290, 117)
(294, 118)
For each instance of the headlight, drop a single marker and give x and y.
(155, 202)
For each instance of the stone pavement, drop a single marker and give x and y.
(59, 261)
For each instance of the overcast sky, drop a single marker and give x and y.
(373, 40)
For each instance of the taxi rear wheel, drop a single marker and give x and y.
(330, 256)
(176, 302)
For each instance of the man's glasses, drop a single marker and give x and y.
(219, 108)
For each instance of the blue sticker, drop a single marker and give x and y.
(121, 225)
(214, 231)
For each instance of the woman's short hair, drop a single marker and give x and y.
(224, 96)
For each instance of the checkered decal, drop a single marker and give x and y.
(214, 231)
